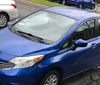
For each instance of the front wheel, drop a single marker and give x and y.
(51, 78)
(80, 6)
(3, 20)
(93, 7)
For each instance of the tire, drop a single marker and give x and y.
(80, 6)
(66, 3)
(49, 78)
(3, 20)
(93, 7)
(63, 2)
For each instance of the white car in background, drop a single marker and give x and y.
(8, 12)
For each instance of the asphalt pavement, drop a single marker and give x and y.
(24, 7)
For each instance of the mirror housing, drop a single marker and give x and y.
(80, 43)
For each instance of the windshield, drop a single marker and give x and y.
(46, 25)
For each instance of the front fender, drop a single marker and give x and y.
(50, 64)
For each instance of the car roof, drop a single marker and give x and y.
(72, 12)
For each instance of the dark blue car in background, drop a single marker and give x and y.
(48, 46)
(81, 3)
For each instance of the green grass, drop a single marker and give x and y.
(98, 11)
(46, 2)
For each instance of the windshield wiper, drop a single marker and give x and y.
(32, 37)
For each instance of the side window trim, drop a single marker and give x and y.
(97, 27)
(93, 38)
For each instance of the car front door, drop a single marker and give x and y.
(81, 58)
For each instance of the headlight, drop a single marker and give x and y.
(23, 62)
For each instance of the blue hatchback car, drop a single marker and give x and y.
(81, 3)
(48, 46)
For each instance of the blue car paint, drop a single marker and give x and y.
(18, 43)
(84, 3)
(67, 60)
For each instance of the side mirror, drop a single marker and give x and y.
(80, 43)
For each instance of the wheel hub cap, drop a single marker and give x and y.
(51, 80)
(3, 20)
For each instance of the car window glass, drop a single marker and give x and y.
(91, 23)
(82, 27)
(65, 45)
(98, 26)
(85, 32)
(91, 0)
(87, 0)
(81, 32)
(99, 23)
(46, 25)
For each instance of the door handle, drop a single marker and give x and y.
(93, 45)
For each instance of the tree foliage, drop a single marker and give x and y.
(98, 1)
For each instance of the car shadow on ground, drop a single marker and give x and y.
(90, 77)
